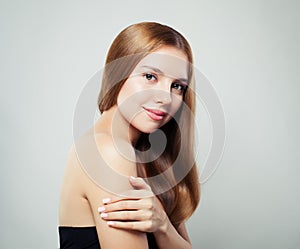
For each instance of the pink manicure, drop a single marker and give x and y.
(106, 200)
(101, 209)
(103, 215)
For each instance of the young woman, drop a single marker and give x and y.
(147, 87)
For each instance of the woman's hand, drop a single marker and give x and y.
(141, 212)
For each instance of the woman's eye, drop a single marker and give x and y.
(150, 76)
(178, 87)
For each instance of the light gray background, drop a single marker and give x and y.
(248, 49)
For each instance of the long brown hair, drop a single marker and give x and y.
(181, 199)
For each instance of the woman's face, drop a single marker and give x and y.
(153, 93)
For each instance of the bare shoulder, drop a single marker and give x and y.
(104, 161)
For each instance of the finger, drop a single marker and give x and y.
(119, 206)
(138, 194)
(128, 195)
(119, 198)
(126, 205)
(134, 194)
(139, 183)
(143, 226)
(133, 215)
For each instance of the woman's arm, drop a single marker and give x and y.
(110, 237)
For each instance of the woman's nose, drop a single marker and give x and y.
(162, 94)
(162, 97)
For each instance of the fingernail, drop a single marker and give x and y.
(110, 223)
(101, 209)
(106, 200)
(103, 215)
(132, 178)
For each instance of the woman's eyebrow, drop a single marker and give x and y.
(183, 80)
(154, 69)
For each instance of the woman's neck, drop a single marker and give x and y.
(112, 122)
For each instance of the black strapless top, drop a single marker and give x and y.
(87, 238)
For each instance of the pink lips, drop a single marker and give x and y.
(155, 114)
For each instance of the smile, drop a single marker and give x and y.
(155, 114)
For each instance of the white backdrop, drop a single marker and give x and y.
(249, 50)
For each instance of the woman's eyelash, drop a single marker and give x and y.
(150, 76)
(179, 86)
